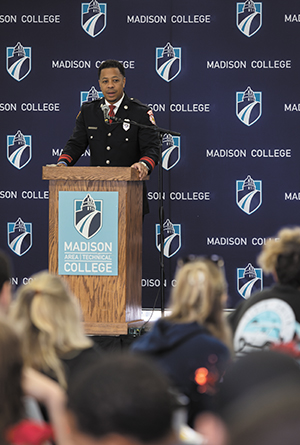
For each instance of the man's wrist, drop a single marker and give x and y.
(144, 163)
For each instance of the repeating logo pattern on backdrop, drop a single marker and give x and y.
(18, 61)
(249, 280)
(168, 62)
(172, 238)
(19, 236)
(88, 216)
(170, 151)
(89, 96)
(248, 106)
(249, 194)
(93, 17)
(249, 17)
(19, 149)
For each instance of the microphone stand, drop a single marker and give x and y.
(161, 132)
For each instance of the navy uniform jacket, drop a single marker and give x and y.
(115, 145)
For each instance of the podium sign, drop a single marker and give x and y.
(88, 233)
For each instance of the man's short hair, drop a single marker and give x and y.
(5, 269)
(110, 63)
(123, 394)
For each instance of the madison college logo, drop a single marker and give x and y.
(248, 106)
(249, 280)
(170, 151)
(265, 323)
(168, 62)
(249, 195)
(89, 96)
(249, 17)
(88, 216)
(18, 61)
(93, 17)
(19, 236)
(19, 149)
(172, 238)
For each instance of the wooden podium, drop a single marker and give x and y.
(109, 303)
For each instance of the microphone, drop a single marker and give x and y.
(105, 110)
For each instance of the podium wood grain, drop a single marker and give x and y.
(108, 303)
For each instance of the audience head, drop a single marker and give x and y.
(255, 392)
(281, 256)
(124, 400)
(11, 364)
(48, 318)
(200, 294)
(5, 284)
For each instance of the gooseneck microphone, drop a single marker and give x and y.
(105, 110)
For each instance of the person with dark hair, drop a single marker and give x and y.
(123, 400)
(271, 317)
(114, 144)
(5, 284)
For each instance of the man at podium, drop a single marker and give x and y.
(112, 143)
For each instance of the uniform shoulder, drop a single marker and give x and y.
(138, 102)
(91, 104)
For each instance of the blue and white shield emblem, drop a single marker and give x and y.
(18, 61)
(249, 17)
(248, 106)
(19, 149)
(172, 238)
(249, 280)
(249, 195)
(89, 96)
(88, 216)
(170, 151)
(168, 62)
(19, 236)
(93, 17)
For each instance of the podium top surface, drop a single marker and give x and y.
(52, 172)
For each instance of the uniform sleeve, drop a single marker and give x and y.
(77, 143)
(148, 139)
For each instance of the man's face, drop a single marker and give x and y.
(112, 84)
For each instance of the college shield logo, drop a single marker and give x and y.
(249, 280)
(249, 17)
(172, 238)
(19, 236)
(88, 216)
(18, 61)
(249, 195)
(170, 151)
(248, 106)
(19, 149)
(168, 62)
(89, 96)
(93, 17)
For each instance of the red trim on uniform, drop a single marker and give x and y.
(151, 162)
(66, 157)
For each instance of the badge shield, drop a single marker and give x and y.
(248, 195)
(248, 106)
(168, 62)
(19, 149)
(19, 236)
(172, 238)
(249, 17)
(170, 151)
(249, 280)
(18, 61)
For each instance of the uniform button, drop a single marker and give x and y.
(126, 107)
(107, 161)
(91, 137)
(109, 134)
(126, 139)
(108, 147)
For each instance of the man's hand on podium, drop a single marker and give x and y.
(141, 167)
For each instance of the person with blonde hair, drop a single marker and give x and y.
(192, 345)
(270, 318)
(48, 318)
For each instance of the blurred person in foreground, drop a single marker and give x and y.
(5, 283)
(16, 382)
(48, 318)
(270, 318)
(193, 344)
(123, 400)
(258, 402)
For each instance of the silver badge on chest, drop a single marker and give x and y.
(126, 124)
